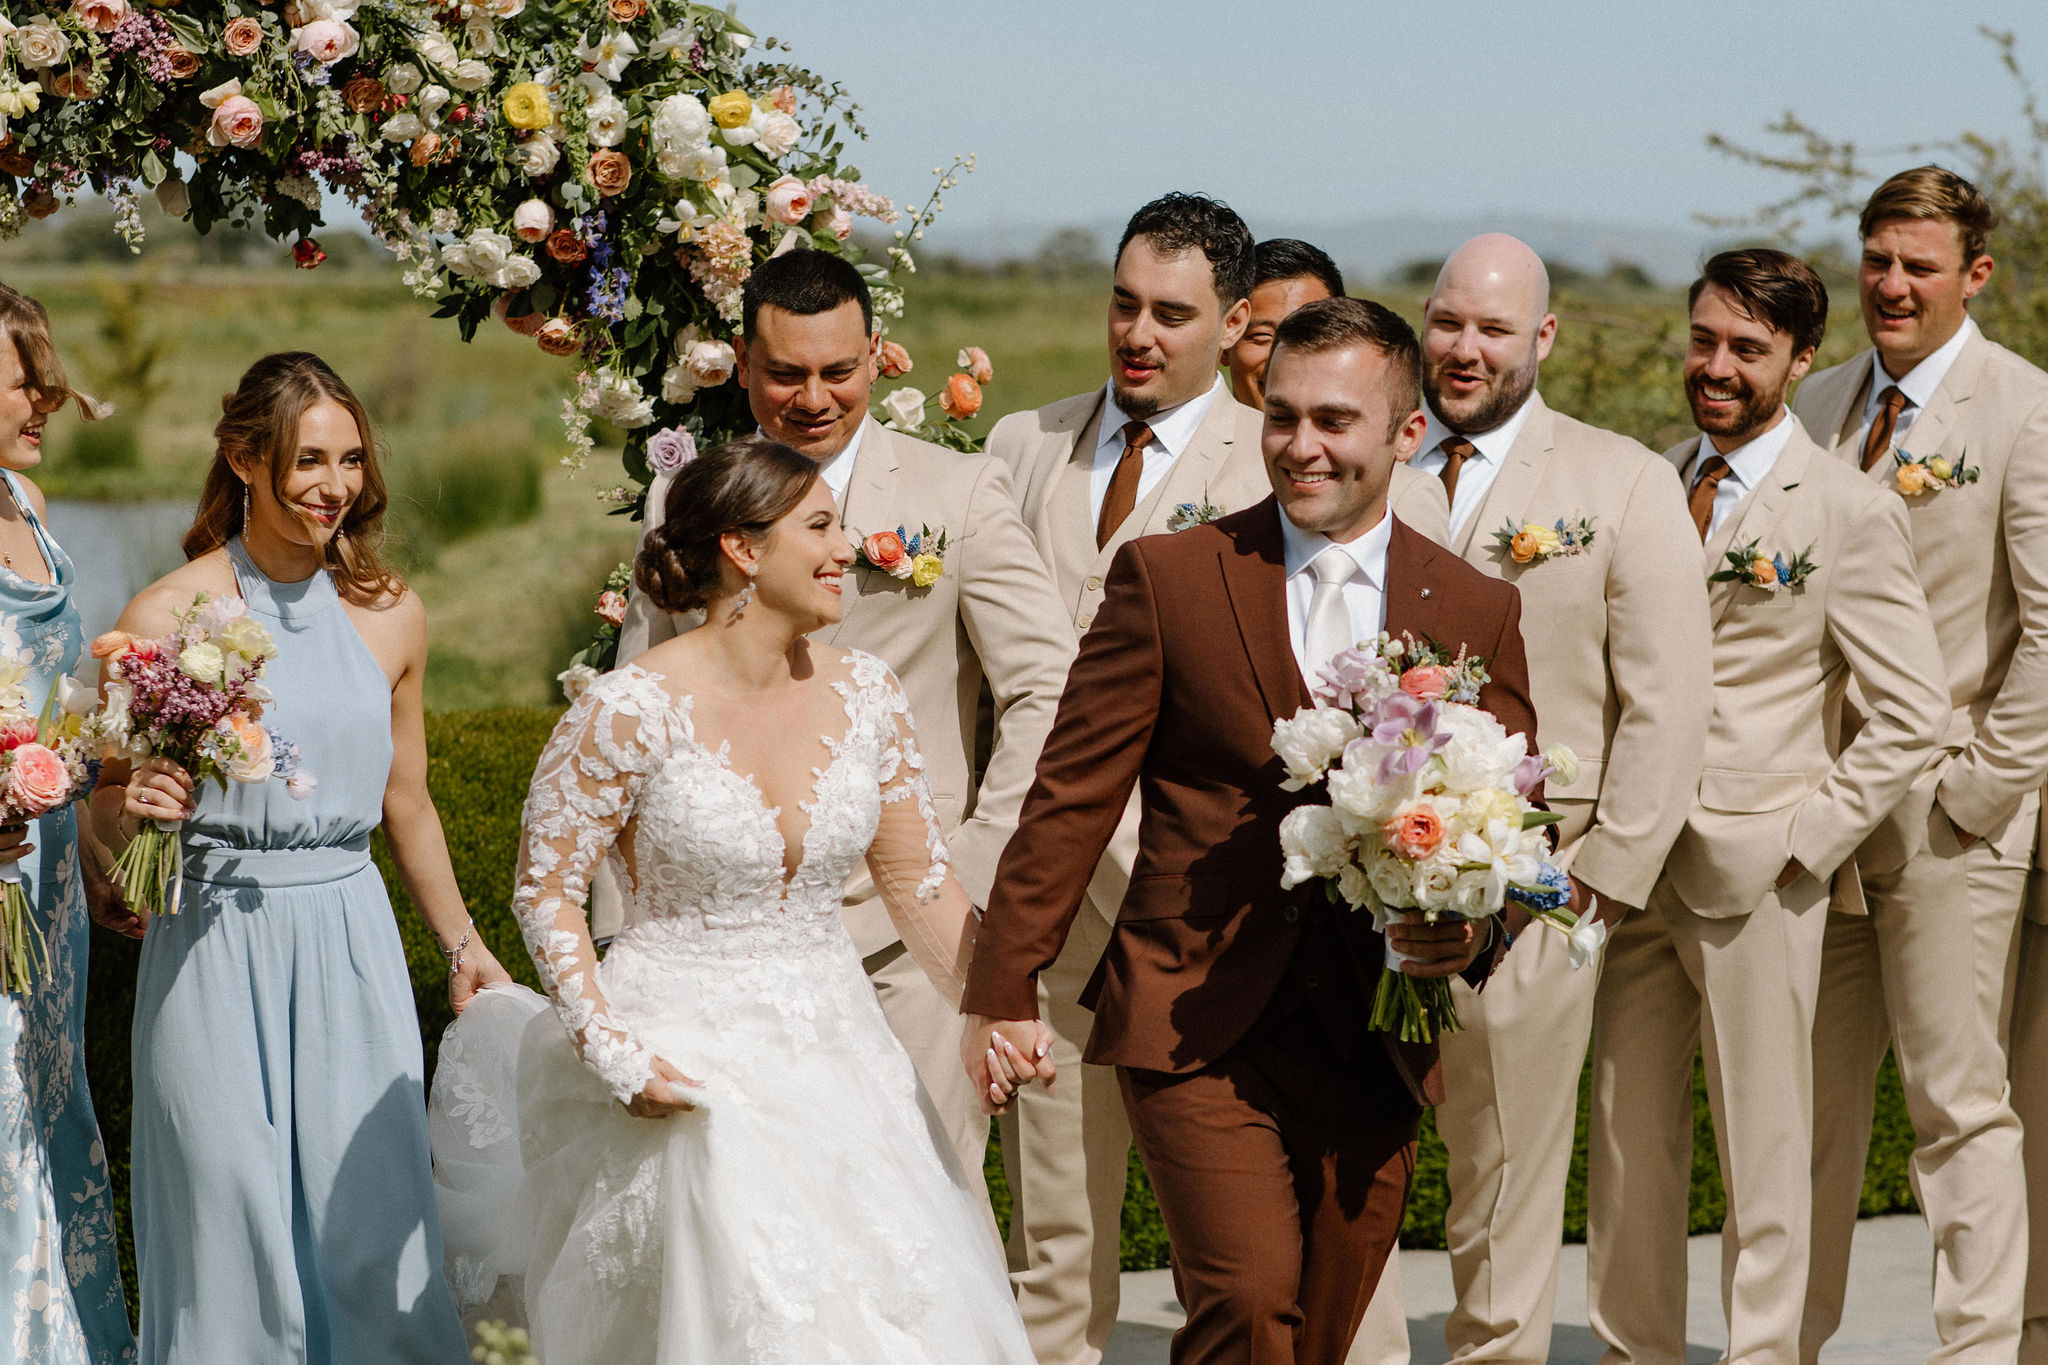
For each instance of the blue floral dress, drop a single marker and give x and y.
(60, 1278)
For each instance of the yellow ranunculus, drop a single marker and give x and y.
(1547, 540)
(925, 570)
(526, 106)
(1941, 469)
(732, 109)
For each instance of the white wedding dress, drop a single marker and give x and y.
(803, 1214)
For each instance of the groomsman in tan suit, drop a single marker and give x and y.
(1162, 445)
(2030, 1101)
(1930, 967)
(1286, 273)
(992, 620)
(1726, 957)
(1615, 623)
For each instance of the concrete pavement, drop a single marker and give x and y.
(1888, 1319)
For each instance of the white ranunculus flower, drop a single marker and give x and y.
(537, 156)
(620, 402)
(1313, 840)
(606, 120)
(469, 74)
(1309, 741)
(905, 408)
(778, 134)
(402, 126)
(41, 44)
(202, 663)
(403, 79)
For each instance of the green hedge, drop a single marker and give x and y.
(479, 763)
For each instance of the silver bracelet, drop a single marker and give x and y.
(454, 955)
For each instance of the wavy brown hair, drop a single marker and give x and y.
(259, 426)
(27, 323)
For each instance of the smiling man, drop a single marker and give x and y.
(1286, 274)
(1160, 446)
(1956, 427)
(1277, 1128)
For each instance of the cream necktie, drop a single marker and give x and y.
(1328, 632)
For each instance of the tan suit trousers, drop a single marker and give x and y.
(929, 1029)
(2030, 1102)
(1929, 970)
(1066, 1153)
(1742, 991)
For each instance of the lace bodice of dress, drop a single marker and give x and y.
(707, 871)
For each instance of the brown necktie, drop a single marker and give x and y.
(1456, 451)
(1890, 403)
(1712, 470)
(1122, 495)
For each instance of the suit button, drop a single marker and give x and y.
(1291, 913)
(1083, 621)
(1093, 585)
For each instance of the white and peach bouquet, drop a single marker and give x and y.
(1429, 812)
(47, 761)
(195, 697)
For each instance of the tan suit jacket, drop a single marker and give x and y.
(1982, 551)
(1050, 453)
(1617, 638)
(991, 619)
(1778, 781)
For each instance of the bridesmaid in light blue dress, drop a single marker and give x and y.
(284, 1199)
(60, 1277)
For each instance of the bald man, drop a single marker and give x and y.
(1614, 616)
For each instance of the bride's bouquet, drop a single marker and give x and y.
(47, 761)
(1429, 809)
(195, 697)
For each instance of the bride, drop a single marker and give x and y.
(726, 1157)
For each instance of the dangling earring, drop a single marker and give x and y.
(739, 604)
(245, 507)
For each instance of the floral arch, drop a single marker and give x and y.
(600, 175)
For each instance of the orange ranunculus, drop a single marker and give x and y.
(1525, 546)
(961, 398)
(1763, 572)
(1415, 833)
(1426, 682)
(111, 643)
(886, 551)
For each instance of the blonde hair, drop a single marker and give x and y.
(1933, 194)
(259, 425)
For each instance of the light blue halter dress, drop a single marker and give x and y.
(284, 1199)
(60, 1278)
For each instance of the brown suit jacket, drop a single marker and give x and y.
(1176, 690)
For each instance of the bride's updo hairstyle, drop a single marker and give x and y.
(259, 425)
(746, 486)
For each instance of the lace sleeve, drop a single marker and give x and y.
(908, 856)
(582, 795)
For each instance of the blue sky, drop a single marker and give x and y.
(1323, 112)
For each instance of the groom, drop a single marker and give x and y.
(1279, 1133)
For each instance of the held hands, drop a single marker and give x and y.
(14, 844)
(158, 790)
(663, 1093)
(1001, 1055)
(1438, 949)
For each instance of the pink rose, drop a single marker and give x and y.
(789, 200)
(101, 16)
(236, 122)
(1426, 682)
(38, 781)
(18, 733)
(327, 41)
(242, 37)
(893, 360)
(1415, 833)
(533, 220)
(975, 361)
(669, 449)
(611, 607)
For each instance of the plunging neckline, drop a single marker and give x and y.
(684, 707)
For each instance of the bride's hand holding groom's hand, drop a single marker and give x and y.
(663, 1093)
(1439, 949)
(1002, 1055)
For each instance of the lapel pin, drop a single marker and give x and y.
(1425, 592)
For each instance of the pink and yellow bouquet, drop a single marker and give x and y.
(194, 697)
(1429, 808)
(47, 761)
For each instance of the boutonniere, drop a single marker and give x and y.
(1193, 514)
(1747, 564)
(1533, 543)
(919, 560)
(1916, 476)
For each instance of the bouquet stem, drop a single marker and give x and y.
(148, 870)
(24, 958)
(1417, 1009)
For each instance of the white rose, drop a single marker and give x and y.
(403, 126)
(1391, 881)
(676, 385)
(1469, 896)
(577, 678)
(1315, 845)
(518, 273)
(438, 51)
(620, 402)
(1436, 878)
(1309, 741)
(174, 197)
(202, 663)
(905, 408)
(1355, 887)
(533, 220)
(469, 74)
(506, 9)
(42, 43)
(431, 101)
(606, 120)
(403, 79)
(779, 133)
(481, 254)
(537, 156)
(481, 34)
(710, 363)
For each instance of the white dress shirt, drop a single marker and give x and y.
(1490, 450)
(1919, 384)
(1365, 594)
(1172, 430)
(1749, 464)
(837, 472)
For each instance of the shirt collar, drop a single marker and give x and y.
(1172, 428)
(1752, 461)
(837, 470)
(1923, 379)
(1492, 446)
(1369, 552)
